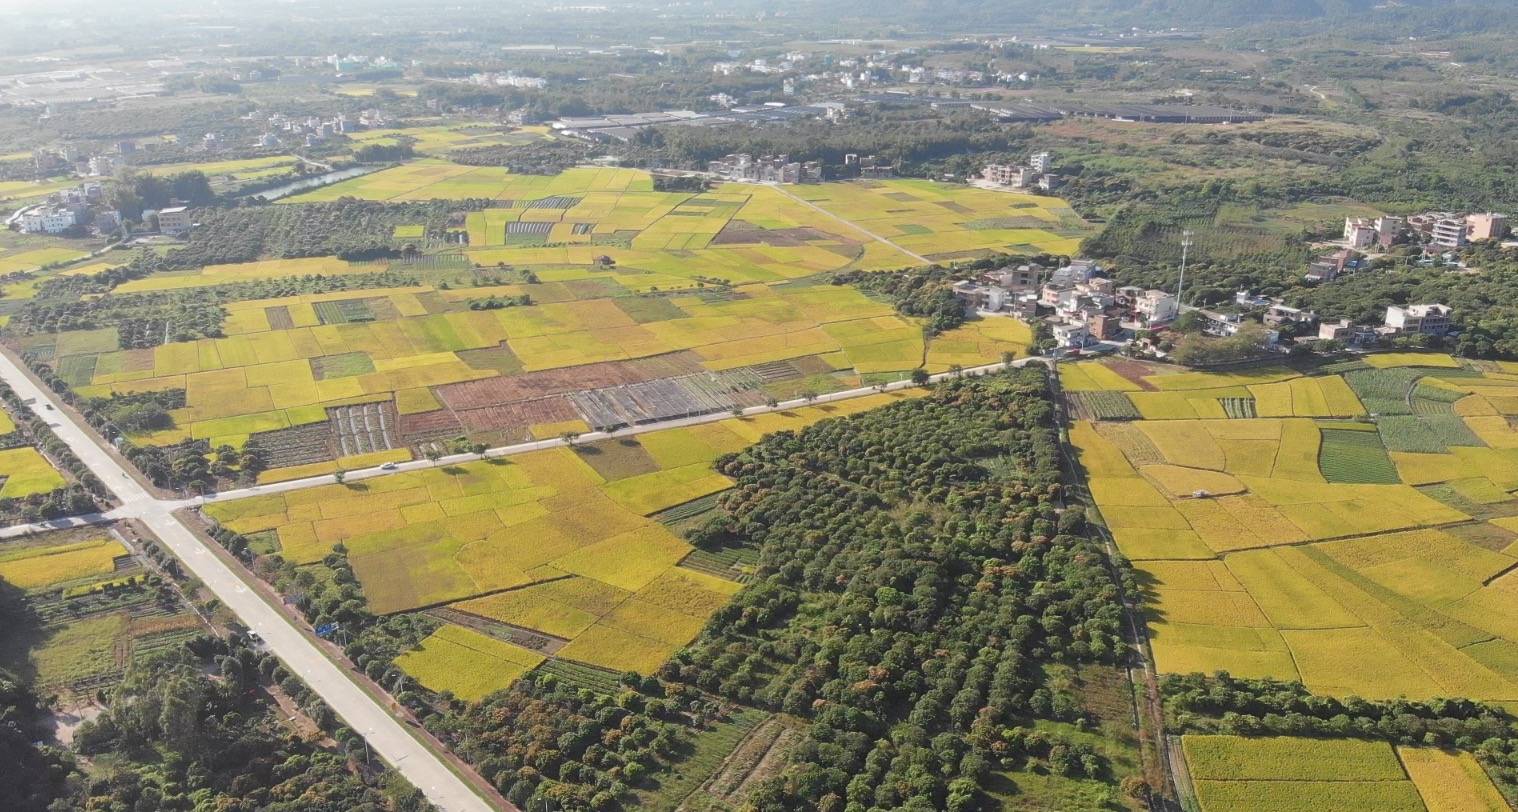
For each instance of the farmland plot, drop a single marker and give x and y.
(1305, 550)
(560, 542)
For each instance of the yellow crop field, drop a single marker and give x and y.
(1377, 589)
(41, 567)
(539, 540)
(1386, 360)
(27, 473)
(1450, 782)
(467, 663)
(940, 220)
(1283, 774)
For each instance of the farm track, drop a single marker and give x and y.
(1155, 756)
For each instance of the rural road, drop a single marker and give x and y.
(360, 711)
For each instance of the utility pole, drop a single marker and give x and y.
(1181, 285)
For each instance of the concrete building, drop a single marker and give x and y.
(1006, 175)
(1486, 226)
(1156, 307)
(980, 297)
(175, 220)
(1424, 319)
(49, 220)
(1360, 233)
(1448, 232)
(1388, 228)
(1279, 314)
(1071, 335)
(1041, 162)
(1346, 332)
(1019, 277)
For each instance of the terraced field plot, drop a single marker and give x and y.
(1283, 774)
(1304, 549)
(560, 542)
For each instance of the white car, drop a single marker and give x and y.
(389, 466)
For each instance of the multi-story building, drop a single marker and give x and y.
(1005, 174)
(980, 297)
(1278, 314)
(1486, 226)
(1360, 233)
(1156, 306)
(1425, 319)
(1388, 227)
(1019, 277)
(1041, 162)
(174, 220)
(49, 220)
(1448, 232)
(1347, 332)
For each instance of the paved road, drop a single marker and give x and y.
(362, 712)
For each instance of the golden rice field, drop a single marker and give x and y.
(560, 541)
(41, 566)
(1274, 546)
(25, 472)
(1284, 774)
(467, 663)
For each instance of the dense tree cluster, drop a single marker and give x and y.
(535, 158)
(925, 293)
(548, 744)
(181, 740)
(348, 228)
(133, 192)
(916, 574)
(34, 776)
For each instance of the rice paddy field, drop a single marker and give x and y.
(566, 544)
(1300, 538)
(25, 472)
(644, 305)
(1283, 774)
